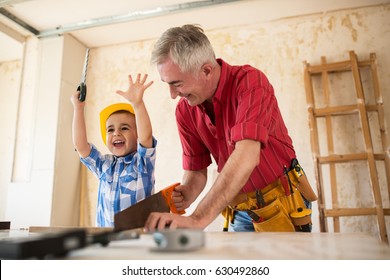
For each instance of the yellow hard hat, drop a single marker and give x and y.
(108, 111)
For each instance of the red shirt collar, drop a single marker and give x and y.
(222, 81)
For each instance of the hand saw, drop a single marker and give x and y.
(136, 215)
(83, 87)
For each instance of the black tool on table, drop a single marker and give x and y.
(106, 237)
(57, 244)
(5, 225)
(41, 246)
(83, 87)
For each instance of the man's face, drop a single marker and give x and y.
(121, 134)
(194, 88)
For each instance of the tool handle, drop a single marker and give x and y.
(304, 186)
(82, 88)
(167, 194)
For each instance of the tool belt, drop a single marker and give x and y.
(279, 206)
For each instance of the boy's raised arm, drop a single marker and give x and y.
(134, 95)
(79, 132)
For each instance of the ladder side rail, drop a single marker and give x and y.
(381, 117)
(369, 147)
(330, 146)
(315, 147)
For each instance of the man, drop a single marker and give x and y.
(229, 112)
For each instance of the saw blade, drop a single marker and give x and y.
(136, 215)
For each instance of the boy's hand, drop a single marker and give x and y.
(136, 89)
(75, 100)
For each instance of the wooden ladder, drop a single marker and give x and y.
(324, 103)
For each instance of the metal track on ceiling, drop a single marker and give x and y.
(131, 16)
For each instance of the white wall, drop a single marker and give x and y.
(10, 75)
(39, 143)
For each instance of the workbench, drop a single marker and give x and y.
(234, 245)
(241, 245)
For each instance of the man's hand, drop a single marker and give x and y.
(192, 185)
(179, 195)
(160, 221)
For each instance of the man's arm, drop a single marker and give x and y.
(79, 133)
(134, 95)
(233, 176)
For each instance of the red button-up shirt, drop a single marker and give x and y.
(245, 107)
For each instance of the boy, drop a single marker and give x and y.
(127, 175)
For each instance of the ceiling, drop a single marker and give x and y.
(98, 23)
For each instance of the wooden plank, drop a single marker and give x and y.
(341, 66)
(342, 110)
(349, 212)
(335, 158)
(336, 110)
(56, 229)
(330, 67)
(12, 33)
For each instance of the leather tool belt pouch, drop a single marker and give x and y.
(279, 207)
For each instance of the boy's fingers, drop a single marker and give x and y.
(143, 78)
(130, 79)
(148, 84)
(138, 78)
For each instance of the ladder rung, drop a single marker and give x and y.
(342, 158)
(372, 107)
(348, 157)
(340, 66)
(336, 111)
(330, 67)
(341, 110)
(349, 212)
(380, 156)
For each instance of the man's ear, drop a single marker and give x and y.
(207, 69)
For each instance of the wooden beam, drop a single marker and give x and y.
(12, 33)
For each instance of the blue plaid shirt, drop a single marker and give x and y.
(123, 180)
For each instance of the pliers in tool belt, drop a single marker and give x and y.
(260, 199)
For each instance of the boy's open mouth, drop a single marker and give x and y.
(118, 143)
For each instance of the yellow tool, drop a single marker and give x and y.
(300, 216)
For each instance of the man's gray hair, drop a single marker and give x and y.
(187, 46)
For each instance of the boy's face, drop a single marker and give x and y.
(121, 134)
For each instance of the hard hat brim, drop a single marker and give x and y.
(108, 111)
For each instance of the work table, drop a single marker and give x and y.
(234, 245)
(243, 245)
